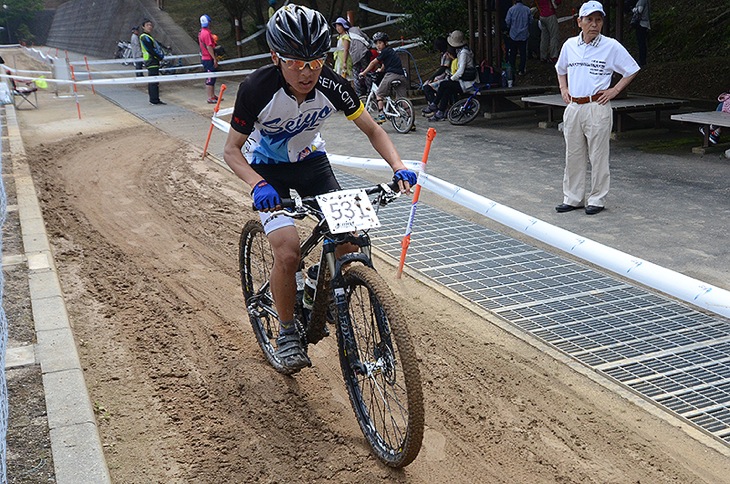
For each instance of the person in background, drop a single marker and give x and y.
(393, 68)
(518, 22)
(360, 53)
(462, 79)
(343, 61)
(584, 69)
(206, 41)
(269, 148)
(272, 8)
(642, 30)
(715, 131)
(136, 51)
(550, 39)
(430, 86)
(152, 55)
(533, 41)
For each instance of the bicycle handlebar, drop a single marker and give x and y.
(305, 205)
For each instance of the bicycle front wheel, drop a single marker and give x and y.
(385, 388)
(403, 122)
(256, 258)
(464, 111)
(371, 105)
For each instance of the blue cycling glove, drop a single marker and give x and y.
(409, 176)
(264, 196)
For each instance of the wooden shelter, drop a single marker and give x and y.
(485, 24)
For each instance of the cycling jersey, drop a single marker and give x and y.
(279, 129)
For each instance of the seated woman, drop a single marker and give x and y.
(461, 81)
(448, 54)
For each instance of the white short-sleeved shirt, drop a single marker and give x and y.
(589, 66)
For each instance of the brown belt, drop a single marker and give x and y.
(585, 100)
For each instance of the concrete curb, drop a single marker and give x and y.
(75, 443)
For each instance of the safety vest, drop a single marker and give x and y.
(146, 55)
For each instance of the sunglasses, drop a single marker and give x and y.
(298, 64)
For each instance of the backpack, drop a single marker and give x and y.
(487, 75)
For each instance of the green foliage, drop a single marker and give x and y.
(433, 18)
(15, 15)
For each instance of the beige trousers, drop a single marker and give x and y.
(587, 131)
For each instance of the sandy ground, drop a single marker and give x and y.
(145, 237)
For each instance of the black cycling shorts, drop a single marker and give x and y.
(309, 177)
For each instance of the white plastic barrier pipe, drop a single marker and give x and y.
(696, 292)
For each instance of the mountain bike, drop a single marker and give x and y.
(466, 109)
(398, 110)
(124, 51)
(376, 354)
(168, 65)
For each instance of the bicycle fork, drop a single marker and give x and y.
(383, 359)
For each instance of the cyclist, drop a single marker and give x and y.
(393, 68)
(274, 144)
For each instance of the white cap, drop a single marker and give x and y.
(589, 7)
(204, 20)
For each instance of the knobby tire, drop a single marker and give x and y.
(388, 404)
(461, 113)
(404, 122)
(256, 258)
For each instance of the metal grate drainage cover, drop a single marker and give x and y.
(667, 352)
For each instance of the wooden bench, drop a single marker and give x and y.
(718, 118)
(620, 107)
(499, 96)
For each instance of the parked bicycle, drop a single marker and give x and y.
(376, 354)
(467, 108)
(398, 110)
(124, 51)
(169, 65)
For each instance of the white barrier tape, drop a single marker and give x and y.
(224, 126)
(165, 78)
(691, 290)
(380, 12)
(225, 112)
(368, 163)
(13, 71)
(119, 61)
(250, 37)
(381, 24)
(135, 80)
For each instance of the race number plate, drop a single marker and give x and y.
(348, 210)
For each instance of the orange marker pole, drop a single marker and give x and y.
(89, 71)
(215, 111)
(406, 242)
(76, 94)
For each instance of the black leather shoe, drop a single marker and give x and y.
(564, 207)
(593, 209)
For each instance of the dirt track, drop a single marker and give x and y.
(145, 237)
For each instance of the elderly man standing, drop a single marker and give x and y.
(584, 68)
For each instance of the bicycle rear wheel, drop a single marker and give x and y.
(256, 258)
(385, 392)
(464, 111)
(405, 119)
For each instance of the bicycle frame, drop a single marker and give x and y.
(388, 105)
(320, 236)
